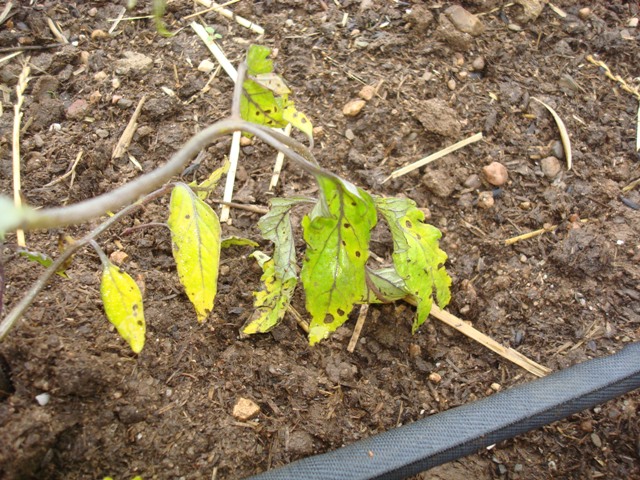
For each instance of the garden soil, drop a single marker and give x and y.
(567, 295)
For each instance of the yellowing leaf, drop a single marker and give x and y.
(280, 274)
(211, 182)
(270, 303)
(337, 233)
(123, 305)
(417, 257)
(265, 97)
(384, 286)
(195, 234)
(272, 81)
(238, 242)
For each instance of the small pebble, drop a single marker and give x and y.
(124, 103)
(84, 57)
(95, 96)
(557, 150)
(318, 132)
(37, 139)
(367, 92)
(584, 13)
(99, 34)
(245, 409)
(523, 258)
(349, 134)
(118, 257)
(245, 141)
(550, 167)
(92, 12)
(43, 399)
(473, 181)
(102, 133)
(596, 440)
(353, 108)
(485, 200)
(495, 173)
(435, 377)
(100, 76)
(633, 22)
(478, 64)
(415, 350)
(288, 23)
(514, 27)
(451, 84)
(525, 206)
(224, 270)
(78, 108)
(496, 387)
(517, 468)
(206, 66)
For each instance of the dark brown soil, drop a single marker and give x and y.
(559, 298)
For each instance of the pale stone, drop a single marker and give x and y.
(353, 108)
(550, 166)
(485, 200)
(464, 20)
(367, 92)
(495, 173)
(245, 409)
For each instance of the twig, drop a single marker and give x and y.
(57, 32)
(71, 171)
(232, 16)
(30, 47)
(23, 80)
(211, 9)
(17, 311)
(505, 352)
(558, 11)
(215, 50)
(298, 318)
(234, 155)
(279, 162)
(631, 186)
(127, 135)
(117, 21)
(434, 156)
(528, 235)
(362, 316)
(9, 57)
(564, 134)
(242, 206)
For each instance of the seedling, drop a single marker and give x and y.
(335, 271)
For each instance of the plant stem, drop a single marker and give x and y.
(12, 317)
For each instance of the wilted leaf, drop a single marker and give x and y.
(270, 303)
(384, 286)
(123, 305)
(272, 81)
(195, 232)
(337, 233)
(280, 274)
(210, 183)
(265, 99)
(417, 257)
(41, 258)
(238, 242)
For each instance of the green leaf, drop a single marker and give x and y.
(259, 105)
(210, 183)
(270, 303)
(41, 258)
(417, 256)
(337, 233)
(123, 305)
(158, 9)
(280, 274)
(238, 242)
(195, 234)
(258, 61)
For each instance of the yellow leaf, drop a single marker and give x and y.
(123, 305)
(210, 183)
(195, 232)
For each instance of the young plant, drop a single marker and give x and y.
(337, 229)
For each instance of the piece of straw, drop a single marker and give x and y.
(232, 16)
(279, 162)
(127, 135)
(564, 134)
(23, 80)
(434, 156)
(362, 316)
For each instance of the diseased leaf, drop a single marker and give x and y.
(123, 305)
(238, 242)
(41, 258)
(280, 274)
(417, 257)
(265, 98)
(272, 81)
(270, 303)
(258, 61)
(210, 183)
(384, 286)
(195, 234)
(337, 233)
